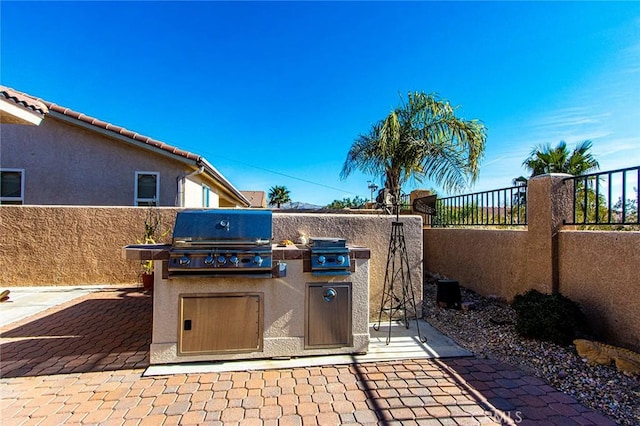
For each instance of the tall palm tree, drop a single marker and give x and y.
(422, 138)
(278, 195)
(547, 159)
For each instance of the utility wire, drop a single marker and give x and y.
(284, 174)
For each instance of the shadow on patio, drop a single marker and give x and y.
(104, 331)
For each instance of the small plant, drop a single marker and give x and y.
(551, 317)
(152, 234)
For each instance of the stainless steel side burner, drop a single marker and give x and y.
(329, 256)
(221, 242)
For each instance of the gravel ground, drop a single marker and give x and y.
(488, 330)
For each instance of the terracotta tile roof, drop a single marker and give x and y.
(23, 100)
(47, 107)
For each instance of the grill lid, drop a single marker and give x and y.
(329, 256)
(197, 227)
(326, 243)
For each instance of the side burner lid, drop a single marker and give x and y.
(327, 242)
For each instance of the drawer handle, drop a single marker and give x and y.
(329, 294)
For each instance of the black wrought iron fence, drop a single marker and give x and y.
(498, 207)
(606, 198)
(404, 202)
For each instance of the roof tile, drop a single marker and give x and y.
(23, 100)
(44, 107)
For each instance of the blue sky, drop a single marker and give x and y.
(274, 93)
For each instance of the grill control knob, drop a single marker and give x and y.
(184, 261)
(208, 260)
(340, 260)
(322, 259)
(257, 260)
(222, 260)
(234, 260)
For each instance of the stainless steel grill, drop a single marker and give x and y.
(329, 256)
(221, 242)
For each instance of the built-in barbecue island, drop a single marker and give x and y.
(223, 290)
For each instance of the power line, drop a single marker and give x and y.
(284, 174)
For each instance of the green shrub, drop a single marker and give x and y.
(551, 317)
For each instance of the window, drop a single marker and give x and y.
(206, 191)
(11, 186)
(147, 189)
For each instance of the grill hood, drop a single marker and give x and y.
(223, 227)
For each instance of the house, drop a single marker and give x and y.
(258, 199)
(52, 155)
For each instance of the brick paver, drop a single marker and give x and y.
(82, 362)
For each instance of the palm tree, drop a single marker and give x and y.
(546, 159)
(278, 195)
(422, 138)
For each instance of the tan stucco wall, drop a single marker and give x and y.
(54, 245)
(372, 231)
(600, 271)
(484, 260)
(64, 245)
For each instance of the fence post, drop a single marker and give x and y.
(549, 202)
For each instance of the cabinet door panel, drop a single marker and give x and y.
(220, 323)
(328, 318)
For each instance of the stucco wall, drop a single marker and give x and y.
(484, 260)
(66, 164)
(63, 245)
(599, 270)
(53, 245)
(371, 231)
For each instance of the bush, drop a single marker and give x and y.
(551, 317)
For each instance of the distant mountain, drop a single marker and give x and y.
(298, 205)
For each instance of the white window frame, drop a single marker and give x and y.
(13, 200)
(155, 200)
(206, 196)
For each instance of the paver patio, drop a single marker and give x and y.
(82, 362)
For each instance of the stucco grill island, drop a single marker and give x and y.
(224, 291)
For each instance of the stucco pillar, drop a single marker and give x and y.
(549, 202)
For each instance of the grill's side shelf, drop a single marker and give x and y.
(146, 252)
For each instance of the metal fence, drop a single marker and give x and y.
(498, 207)
(405, 202)
(606, 198)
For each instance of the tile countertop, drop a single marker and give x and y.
(288, 252)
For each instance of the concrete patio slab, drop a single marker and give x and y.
(404, 344)
(26, 301)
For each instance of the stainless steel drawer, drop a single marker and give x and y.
(328, 315)
(220, 323)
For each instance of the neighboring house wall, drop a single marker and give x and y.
(67, 165)
(63, 164)
(258, 199)
(68, 158)
(597, 269)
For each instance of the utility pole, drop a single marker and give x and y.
(372, 187)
